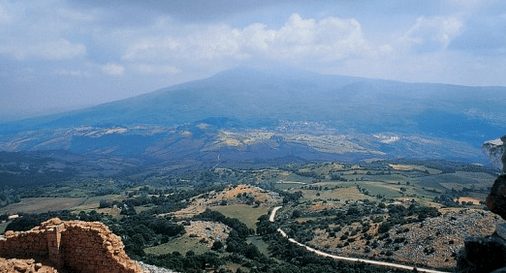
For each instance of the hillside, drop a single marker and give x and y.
(243, 116)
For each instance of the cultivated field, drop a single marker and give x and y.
(244, 213)
(40, 205)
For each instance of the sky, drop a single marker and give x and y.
(59, 55)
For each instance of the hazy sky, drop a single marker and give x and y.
(58, 54)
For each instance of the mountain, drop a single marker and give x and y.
(250, 116)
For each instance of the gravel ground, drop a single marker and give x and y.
(154, 269)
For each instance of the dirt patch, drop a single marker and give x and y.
(208, 232)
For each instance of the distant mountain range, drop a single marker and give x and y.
(247, 116)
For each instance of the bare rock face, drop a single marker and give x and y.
(495, 150)
(483, 254)
(496, 200)
(488, 254)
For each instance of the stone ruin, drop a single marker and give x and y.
(72, 246)
(488, 254)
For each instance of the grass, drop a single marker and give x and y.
(140, 209)
(348, 192)
(181, 244)
(382, 190)
(287, 185)
(244, 213)
(295, 178)
(260, 244)
(233, 267)
(40, 205)
(3, 226)
(92, 203)
(437, 181)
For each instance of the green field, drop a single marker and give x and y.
(40, 205)
(384, 190)
(244, 213)
(288, 185)
(92, 203)
(181, 244)
(3, 226)
(260, 244)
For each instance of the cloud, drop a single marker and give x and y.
(298, 39)
(155, 69)
(78, 16)
(432, 34)
(73, 72)
(37, 31)
(113, 69)
(329, 39)
(53, 50)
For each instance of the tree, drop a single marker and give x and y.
(217, 245)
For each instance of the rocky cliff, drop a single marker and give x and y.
(72, 246)
(488, 254)
(495, 150)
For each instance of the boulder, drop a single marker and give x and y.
(496, 200)
(488, 254)
(483, 254)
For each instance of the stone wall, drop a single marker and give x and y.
(24, 265)
(80, 246)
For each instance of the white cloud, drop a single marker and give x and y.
(73, 72)
(113, 69)
(155, 69)
(299, 39)
(431, 34)
(327, 40)
(54, 50)
(256, 38)
(152, 48)
(60, 49)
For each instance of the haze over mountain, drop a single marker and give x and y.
(244, 115)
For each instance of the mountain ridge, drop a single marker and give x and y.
(303, 114)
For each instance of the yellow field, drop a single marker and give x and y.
(414, 168)
(468, 199)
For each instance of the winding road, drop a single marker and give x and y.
(342, 258)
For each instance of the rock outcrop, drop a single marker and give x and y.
(75, 246)
(496, 200)
(495, 150)
(488, 254)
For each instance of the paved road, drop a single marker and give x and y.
(342, 258)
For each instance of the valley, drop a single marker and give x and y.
(188, 175)
(412, 212)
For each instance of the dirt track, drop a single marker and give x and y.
(341, 258)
